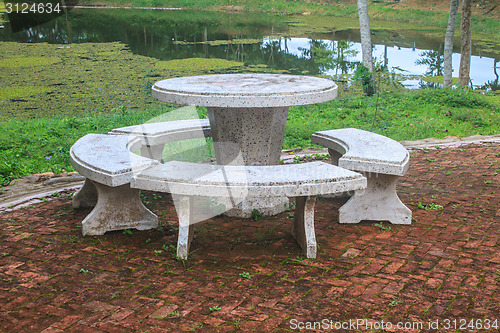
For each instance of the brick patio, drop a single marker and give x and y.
(246, 275)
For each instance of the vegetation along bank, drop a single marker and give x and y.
(105, 86)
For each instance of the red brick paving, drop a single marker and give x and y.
(445, 265)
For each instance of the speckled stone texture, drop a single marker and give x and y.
(86, 196)
(379, 202)
(365, 151)
(118, 208)
(304, 181)
(291, 180)
(245, 90)
(106, 159)
(258, 142)
(152, 134)
(108, 165)
(382, 161)
(247, 114)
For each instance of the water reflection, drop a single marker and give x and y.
(249, 38)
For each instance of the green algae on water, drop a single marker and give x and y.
(197, 64)
(18, 92)
(28, 61)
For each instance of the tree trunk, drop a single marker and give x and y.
(448, 43)
(466, 44)
(364, 29)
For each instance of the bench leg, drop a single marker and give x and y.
(118, 208)
(335, 156)
(86, 196)
(183, 207)
(303, 225)
(153, 152)
(378, 202)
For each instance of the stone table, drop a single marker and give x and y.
(247, 115)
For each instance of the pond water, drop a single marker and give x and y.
(295, 44)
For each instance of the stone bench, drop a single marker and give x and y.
(107, 162)
(153, 136)
(382, 160)
(187, 180)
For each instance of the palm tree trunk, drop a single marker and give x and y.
(448, 43)
(465, 28)
(364, 29)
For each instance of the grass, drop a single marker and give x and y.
(399, 114)
(41, 145)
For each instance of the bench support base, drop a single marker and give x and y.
(303, 225)
(155, 152)
(302, 228)
(379, 202)
(86, 197)
(186, 229)
(118, 208)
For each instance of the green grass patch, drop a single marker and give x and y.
(43, 144)
(96, 87)
(401, 115)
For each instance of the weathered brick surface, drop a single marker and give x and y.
(246, 275)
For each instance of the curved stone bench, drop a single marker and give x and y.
(106, 163)
(382, 160)
(150, 139)
(303, 181)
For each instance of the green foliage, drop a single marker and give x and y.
(430, 206)
(10, 93)
(256, 214)
(71, 81)
(399, 114)
(364, 77)
(378, 10)
(382, 227)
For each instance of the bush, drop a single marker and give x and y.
(364, 77)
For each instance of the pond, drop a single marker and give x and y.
(294, 44)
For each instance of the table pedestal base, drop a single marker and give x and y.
(250, 136)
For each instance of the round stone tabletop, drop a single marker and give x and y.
(245, 90)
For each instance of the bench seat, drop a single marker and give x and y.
(107, 160)
(382, 160)
(108, 166)
(152, 137)
(186, 180)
